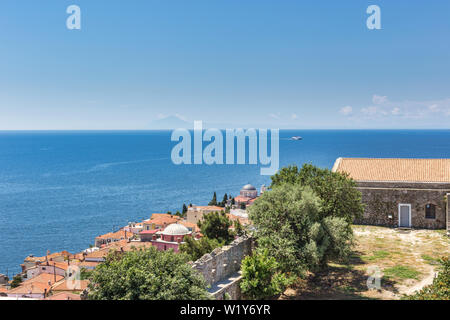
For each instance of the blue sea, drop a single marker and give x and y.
(59, 190)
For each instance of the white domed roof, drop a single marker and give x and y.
(248, 187)
(175, 229)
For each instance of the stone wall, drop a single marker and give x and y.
(221, 267)
(381, 201)
(448, 214)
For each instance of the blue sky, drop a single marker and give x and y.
(233, 63)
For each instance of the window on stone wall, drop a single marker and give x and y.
(430, 211)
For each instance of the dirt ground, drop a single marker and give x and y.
(403, 261)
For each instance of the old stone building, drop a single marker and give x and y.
(410, 193)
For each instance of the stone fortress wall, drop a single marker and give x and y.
(221, 268)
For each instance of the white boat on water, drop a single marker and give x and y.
(296, 138)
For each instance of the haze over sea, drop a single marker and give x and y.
(59, 190)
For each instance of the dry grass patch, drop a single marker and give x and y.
(406, 260)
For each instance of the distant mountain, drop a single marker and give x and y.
(170, 123)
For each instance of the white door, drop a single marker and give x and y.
(404, 215)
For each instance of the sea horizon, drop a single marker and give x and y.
(60, 190)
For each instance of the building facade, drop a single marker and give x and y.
(247, 195)
(408, 193)
(171, 237)
(196, 213)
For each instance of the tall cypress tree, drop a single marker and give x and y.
(224, 200)
(213, 202)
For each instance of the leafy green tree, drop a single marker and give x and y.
(146, 275)
(216, 225)
(85, 274)
(195, 249)
(337, 191)
(290, 224)
(16, 281)
(185, 209)
(213, 201)
(439, 289)
(239, 229)
(261, 278)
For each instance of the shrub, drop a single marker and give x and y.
(16, 281)
(440, 288)
(261, 278)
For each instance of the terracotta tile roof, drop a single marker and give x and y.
(150, 231)
(61, 265)
(164, 215)
(49, 257)
(242, 199)
(37, 284)
(44, 278)
(30, 288)
(117, 246)
(63, 286)
(102, 253)
(64, 296)
(116, 235)
(162, 219)
(407, 170)
(191, 225)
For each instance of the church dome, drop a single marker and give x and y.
(248, 187)
(175, 229)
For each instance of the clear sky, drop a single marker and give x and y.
(251, 63)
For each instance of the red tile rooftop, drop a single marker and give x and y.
(395, 170)
(64, 296)
(150, 231)
(63, 285)
(121, 234)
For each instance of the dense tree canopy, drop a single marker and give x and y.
(146, 275)
(339, 196)
(216, 225)
(195, 249)
(290, 224)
